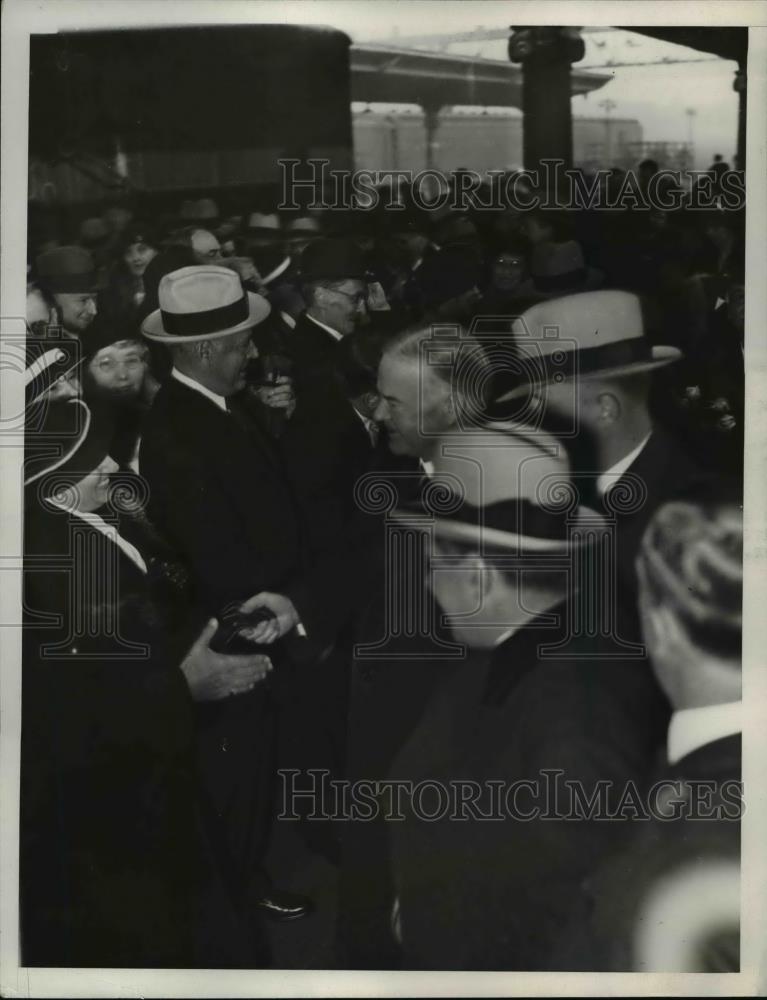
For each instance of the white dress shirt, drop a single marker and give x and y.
(333, 333)
(220, 401)
(611, 476)
(109, 530)
(692, 728)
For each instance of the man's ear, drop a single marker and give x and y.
(204, 350)
(609, 408)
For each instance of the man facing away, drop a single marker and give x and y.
(218, 491)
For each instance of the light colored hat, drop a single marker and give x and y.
(507, 487)
(589, 335)
(303, 225)
(203, 303)
(263, 222)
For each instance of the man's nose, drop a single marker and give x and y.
(252, 351)
(90, 307)
(122, 373)
(381, 411)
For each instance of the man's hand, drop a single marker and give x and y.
(212, 676)
(279, 396)
(285, 617)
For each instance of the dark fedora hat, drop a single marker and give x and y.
(67, 269)
(332, 260)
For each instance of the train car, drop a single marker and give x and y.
(478, 139)
(183, 110)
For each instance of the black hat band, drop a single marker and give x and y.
(208, 321)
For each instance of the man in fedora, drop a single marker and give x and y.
(326, 445)
(588, 369)
(218, 490)
(488, 885)
(67, 277)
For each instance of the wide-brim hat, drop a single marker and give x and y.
(596, 334)
(72, 440)
(515, 525)
(203, 303)
(558, 269)
(48, 360)
(264, 224)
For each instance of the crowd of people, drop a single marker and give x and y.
(448, 500)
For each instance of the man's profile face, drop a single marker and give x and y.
(228, 361)
(206, 247)
(345, 305)
(78, 309)
(415, 405)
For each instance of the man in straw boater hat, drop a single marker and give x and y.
(587, 366)
(115, 869)
(489, 881)
(218, 491)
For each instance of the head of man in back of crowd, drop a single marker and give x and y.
(429, 387)
(206, 319)
(594, 376)
(334, 286)
(690, 569)
(558, 269)
(410, 233)
(501, 485)
(262, 230)
(300, 232)
(116, 364)
(67, 276)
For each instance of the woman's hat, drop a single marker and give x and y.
(72, 440)
(47, 362)
(203, 303)
(593, 334)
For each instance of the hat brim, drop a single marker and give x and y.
(258, 310)
(661, 355)
(470, 534)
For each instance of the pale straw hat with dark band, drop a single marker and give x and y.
(203, 303)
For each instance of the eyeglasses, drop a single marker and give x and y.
(358, 298)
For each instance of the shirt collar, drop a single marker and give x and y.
(611, 476)
(333, 333)
(692, 728)
(220, 401)
(109, 530)
(428, 467)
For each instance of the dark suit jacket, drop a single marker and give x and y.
(325, 444)
(601, 936)
(668, 473)
(219, 492)
(494, 894)
(110, 855)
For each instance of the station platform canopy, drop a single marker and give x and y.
(388, 75)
